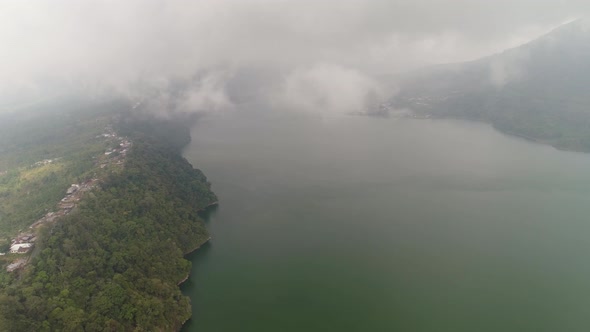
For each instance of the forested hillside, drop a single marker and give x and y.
(114, 263)
(540, 90)
(43, 150)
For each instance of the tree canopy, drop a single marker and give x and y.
(114, 264)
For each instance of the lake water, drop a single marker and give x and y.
(346, 223)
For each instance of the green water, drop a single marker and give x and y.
(359, 224)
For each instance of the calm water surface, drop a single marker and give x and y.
(359, 224)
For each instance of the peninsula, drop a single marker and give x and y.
(116, 258)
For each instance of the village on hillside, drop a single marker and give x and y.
(24, 242)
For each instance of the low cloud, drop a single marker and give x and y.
(329, 88)
(204, 92)
(511, 67)
(192, 55)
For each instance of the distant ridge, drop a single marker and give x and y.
(540, 90)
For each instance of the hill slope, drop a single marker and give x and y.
(539, 90)
(115, 262)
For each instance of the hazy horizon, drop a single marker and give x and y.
(306, 55)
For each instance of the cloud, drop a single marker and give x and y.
(329, 88)
(508, 68)
(122, 46)
(203, 92)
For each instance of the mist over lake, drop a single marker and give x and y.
(347, 223)
(295, 166)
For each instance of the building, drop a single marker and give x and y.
(20, 248)
(67, 206)
(73, 189)
(17, 264)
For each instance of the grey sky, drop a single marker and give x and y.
(322, 50)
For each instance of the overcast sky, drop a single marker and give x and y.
(330, 53)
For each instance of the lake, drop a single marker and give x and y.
(349, 223)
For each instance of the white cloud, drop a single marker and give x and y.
(508, 68)
(329, 88)
(108, 45)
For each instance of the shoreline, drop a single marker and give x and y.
(188, 275)
(209, 205)
(188, 253)
(539, 141)
(179, 284)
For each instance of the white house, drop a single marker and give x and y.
(20, 248)
(72, 189)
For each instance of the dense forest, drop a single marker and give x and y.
(66, 132)
(115, 262)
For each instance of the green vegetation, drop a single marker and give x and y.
(114, 263)
(29, 188)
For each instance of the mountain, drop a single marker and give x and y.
(540, 90)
